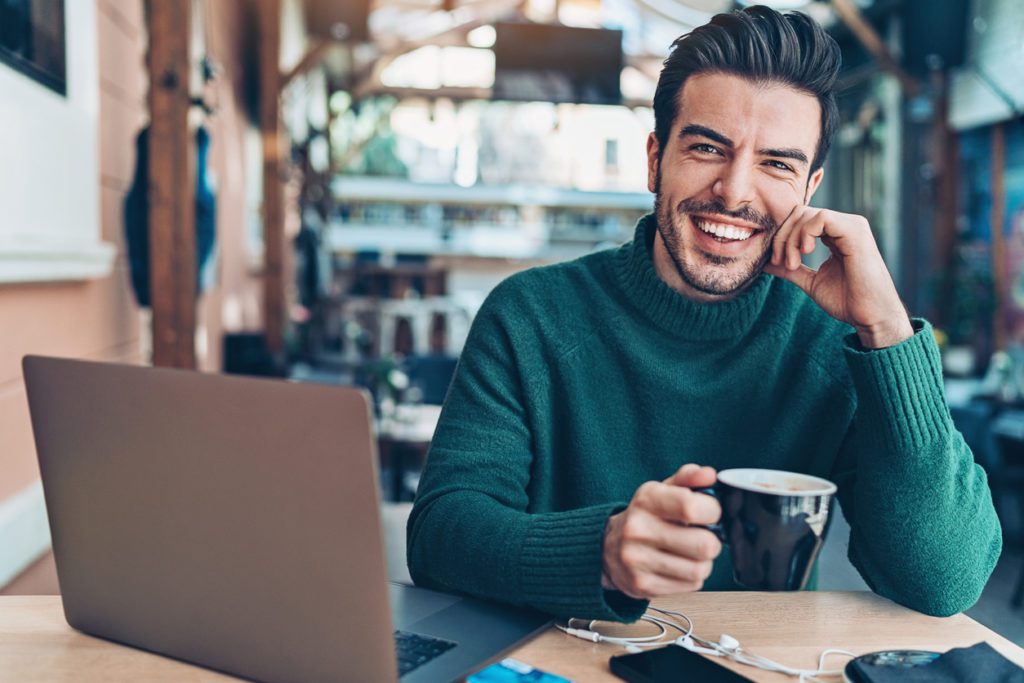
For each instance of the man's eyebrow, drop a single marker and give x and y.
(712, 134)
(704, 131)
(787, 153)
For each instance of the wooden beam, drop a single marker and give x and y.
(172, 246)
(312, 57)
(1000, 283)
(869, 38)
(273, 174)
(364, 81)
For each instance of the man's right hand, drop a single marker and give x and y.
(648, 548)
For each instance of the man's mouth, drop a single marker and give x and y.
(723, 232)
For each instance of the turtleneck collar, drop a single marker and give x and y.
(668, 309)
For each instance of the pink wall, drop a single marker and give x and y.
(99, 319)
(94, 319)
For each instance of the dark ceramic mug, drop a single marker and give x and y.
(774, 523)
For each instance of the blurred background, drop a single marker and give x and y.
(326, 190)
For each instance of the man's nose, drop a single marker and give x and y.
(734, 186)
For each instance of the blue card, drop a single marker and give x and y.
(514, 671)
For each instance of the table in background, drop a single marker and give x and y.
(403, 438)
(37, 645)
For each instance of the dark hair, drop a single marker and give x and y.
(759, 44)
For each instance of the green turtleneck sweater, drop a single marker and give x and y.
(582, 380)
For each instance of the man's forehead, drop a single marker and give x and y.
(771, 114)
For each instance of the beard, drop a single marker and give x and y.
(719, 276)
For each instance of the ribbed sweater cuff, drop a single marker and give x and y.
(899, 390)
(561, 566)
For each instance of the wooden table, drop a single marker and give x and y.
(790, 628)
(36, 644)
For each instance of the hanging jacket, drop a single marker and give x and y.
(136, 215)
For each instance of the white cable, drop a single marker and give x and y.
(596, 637)
(727, 646)
(679, 615)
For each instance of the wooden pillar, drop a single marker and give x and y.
(998, 241)
(172, 246)
(273, 174)
(947, 162)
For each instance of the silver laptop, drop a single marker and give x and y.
(233, 522)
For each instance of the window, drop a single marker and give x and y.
(611, 153)
(32, 40)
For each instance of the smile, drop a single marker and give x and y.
(723, 232)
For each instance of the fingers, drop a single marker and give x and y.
(797, 236)
(843, 234)
(779, 241)
(802, 277)
(675, 568)
(650, 573)
(650, 549)
(677, 504)
(693, 543)
(637, 565)
(694, 476)
(644, 528)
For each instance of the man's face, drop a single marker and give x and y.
(736, 162)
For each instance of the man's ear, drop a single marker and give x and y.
(812, 184)
(652, 163)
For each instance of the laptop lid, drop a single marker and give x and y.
(227, 521)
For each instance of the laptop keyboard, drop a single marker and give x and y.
(414, 650)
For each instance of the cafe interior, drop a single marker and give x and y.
(325, 192)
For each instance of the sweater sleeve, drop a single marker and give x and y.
(923, 530)
(471, 530)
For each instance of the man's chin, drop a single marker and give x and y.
(720, 288)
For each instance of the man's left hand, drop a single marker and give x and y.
(853, 285)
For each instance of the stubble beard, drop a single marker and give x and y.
(714, 276)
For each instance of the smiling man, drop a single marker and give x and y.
(561, 472)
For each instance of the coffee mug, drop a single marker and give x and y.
(774, 523)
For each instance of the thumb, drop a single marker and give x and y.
(693, 476)
(802, 277)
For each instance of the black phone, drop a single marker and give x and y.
(672, 664)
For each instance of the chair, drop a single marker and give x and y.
(431, 374)
(1007, 477)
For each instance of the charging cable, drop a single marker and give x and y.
(636, 643)
(727, 646)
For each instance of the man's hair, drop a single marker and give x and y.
(764, 46)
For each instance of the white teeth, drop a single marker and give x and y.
(731, 232)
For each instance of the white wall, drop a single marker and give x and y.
(49, 171)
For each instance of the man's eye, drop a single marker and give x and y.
(779, 165)
(705, 149)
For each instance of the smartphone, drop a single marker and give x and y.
(672, 664)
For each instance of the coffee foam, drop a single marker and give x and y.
(777, 482)
(787, 486)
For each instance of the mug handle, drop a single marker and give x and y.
(717, 529)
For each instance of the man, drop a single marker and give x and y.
(557, 477)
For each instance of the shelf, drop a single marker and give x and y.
(361, 188)
(522, 241)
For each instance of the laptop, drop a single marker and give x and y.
(233, 522)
